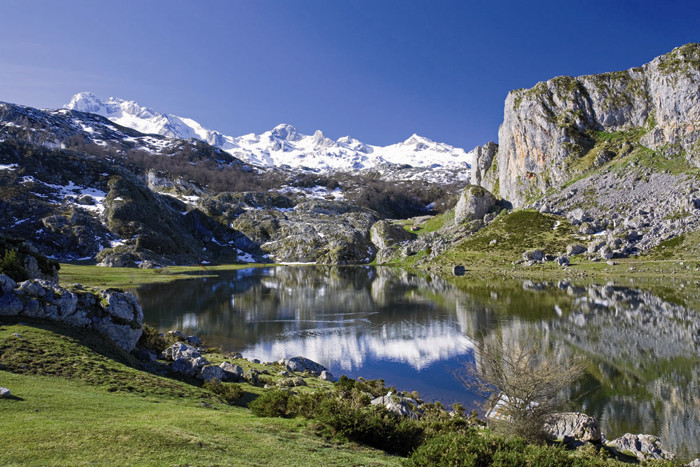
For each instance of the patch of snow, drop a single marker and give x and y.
(245, 256)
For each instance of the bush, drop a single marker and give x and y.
(271, 404)
(11, 265)
(151, 339)
(373, 426)
(229, 392)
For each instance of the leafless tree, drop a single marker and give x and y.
(522, 381)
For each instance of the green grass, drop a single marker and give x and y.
(78, 401)
(126, 278)
(514, 234)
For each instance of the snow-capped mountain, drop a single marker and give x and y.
(283, 146)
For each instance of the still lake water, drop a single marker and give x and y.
(642, 352)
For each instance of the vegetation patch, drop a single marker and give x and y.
(508, 236)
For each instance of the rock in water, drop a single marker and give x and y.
(573, 425)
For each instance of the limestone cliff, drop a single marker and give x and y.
(553, 131)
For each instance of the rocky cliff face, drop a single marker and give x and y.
(562, 127)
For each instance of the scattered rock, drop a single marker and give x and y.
(326, 376)
(562, 261)
(458, 270)
(404, 406)
(4, 392)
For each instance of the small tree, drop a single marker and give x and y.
(522, 382)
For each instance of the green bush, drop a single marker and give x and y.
(373, 426)
(11, 265)
(271, 404)
(229, 392)
(151, 339)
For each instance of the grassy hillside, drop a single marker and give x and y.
(78, 401)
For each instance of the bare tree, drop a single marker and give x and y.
(522, 381)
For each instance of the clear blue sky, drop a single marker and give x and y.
(377, 70)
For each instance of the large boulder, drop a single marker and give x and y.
(301, 364)
(643, 447)
(573, 425)
(474, 203)
(231, 372)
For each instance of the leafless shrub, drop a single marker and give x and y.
(521, 381)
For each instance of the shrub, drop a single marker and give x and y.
(229, 392)
(373, 426)
(529, 376)
(151, 339)
(11, 265)
(271, 404)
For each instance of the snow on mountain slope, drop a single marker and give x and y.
(283, 146)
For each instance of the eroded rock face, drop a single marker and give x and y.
(574, 425)
(114, 314)
(483, 159)
(474, 203)
(550, 126)
(316, 231)
(385, 234)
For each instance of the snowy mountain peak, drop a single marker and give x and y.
(283, 146)
(286, 132)
(85, 102)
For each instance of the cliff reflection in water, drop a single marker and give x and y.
(642, 353)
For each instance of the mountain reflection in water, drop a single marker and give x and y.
(642, 353)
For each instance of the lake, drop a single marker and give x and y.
(641, 351)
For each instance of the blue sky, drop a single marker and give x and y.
(377, 70)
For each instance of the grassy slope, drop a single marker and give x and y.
(77, 401)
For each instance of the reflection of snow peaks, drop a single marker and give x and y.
(417, 346)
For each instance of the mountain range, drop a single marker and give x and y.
(283, 146)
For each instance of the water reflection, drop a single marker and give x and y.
(643, 353)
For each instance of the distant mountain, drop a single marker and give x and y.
(284, 146)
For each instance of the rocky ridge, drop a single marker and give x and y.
(112, 313)
(548, 129)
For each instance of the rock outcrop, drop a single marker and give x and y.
(643, 447)
(551, 128)
(483, 159)
(573, 425)
(474, 203)
(112, 313)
